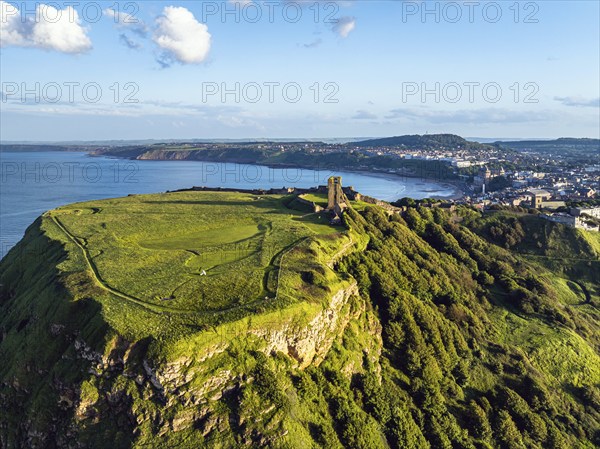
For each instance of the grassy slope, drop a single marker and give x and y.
(91, 275)
(553, 345)
(449, 346)
(570, 254)
(152, 251)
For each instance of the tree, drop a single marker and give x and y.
(405, 202)
(507, 432)
(479, 422)
(498, 183)
(404, 432)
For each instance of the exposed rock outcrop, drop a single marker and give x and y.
(310, 343)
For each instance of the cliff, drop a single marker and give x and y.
(414, 330)
(336, 159)
(75, 381)
(86, 360)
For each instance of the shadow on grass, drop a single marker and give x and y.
(47, 360)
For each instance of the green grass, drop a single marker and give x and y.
(398, 348)
(317, 198)
(593, 239)
(198, 258)
(360, 205)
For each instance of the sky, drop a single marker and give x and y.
(298, 69)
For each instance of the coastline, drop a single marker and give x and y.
(459, 191)
(457, 186)
(112, 179)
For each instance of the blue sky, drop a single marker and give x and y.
(373, 69)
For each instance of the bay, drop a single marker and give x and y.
(34, 182)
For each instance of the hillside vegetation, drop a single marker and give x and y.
(426, 142)
(337, 159)
(429, 329)
(562, 145)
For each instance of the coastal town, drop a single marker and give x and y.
(562, 186)
(558, 179)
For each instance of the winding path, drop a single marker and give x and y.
(343, 250)
(98, 277)
(162, 309)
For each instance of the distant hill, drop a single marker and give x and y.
(424, 142)
(562, 144)
(22, 148)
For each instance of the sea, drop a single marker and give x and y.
(34, 182)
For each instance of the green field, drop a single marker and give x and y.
(198, 253)
(319, 199)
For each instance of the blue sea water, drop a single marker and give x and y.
(32, 183)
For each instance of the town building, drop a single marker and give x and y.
(591, 211)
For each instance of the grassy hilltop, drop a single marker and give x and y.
(198, 258)
(226, 320)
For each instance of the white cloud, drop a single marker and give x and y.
(119, 17)
(50, 29)
(127, 21)
(10, 25)
(181, 36)
(344, 26)
(364, 115)
(579, 102)
(471, 116)
(314, 43)
(129, 43)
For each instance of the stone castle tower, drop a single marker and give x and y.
(337, 201)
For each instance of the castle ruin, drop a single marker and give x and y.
(337, 200)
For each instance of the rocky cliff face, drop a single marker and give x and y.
(166, 155)
(120, 390)
(310, 343)
(191, 385)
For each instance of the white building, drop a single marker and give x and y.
(592, 211)
(570, 220)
